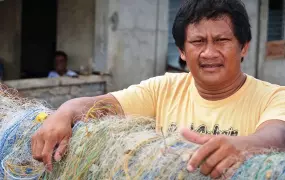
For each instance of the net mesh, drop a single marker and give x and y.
(111, 147)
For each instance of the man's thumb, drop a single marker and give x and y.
(195, 137)
(61, 149)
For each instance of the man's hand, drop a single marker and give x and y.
(216, 153)
(56, 130)
(219, 153)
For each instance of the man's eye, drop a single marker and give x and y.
(197, 41)
(223, 39)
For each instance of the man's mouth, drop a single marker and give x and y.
(211, 67)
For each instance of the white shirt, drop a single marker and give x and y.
(69, 73)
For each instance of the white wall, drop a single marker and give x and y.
(137, 48)
(249, 65)
(75, 31)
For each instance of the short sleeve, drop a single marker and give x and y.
(275, 109)
(140, 99)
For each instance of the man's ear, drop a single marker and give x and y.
(244, 49)
(182, 54)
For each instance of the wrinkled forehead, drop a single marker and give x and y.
(215, 27)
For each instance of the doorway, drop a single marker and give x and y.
(38, 37)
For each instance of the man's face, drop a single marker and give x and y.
(212, 52)
(60, 64)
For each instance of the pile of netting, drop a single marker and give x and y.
(109, 148)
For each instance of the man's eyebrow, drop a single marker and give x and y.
(198, 36)
(222, 35)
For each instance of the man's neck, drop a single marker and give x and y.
(221, 92)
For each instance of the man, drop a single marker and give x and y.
(216, 98)
(61, 66)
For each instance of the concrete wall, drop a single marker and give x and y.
(56, 96)
(58, 90)
(10, 37)
(136, 43)
(249, 64)
(75, 31)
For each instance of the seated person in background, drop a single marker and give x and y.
(61, 66)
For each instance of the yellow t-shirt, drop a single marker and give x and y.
(174, 102)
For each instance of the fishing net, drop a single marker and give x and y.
(111, 147)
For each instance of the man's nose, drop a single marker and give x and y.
(210, 51)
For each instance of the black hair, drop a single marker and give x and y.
(61, 53)
(193, 11)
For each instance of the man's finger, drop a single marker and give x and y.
(38, 146)
(61, 149)
(47, 154)
(212, 161)
(223, 167)
(201, 154)
(195, 137)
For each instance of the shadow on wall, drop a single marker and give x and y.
(1, 68)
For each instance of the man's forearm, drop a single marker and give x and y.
(77, 108)
(270, 135)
